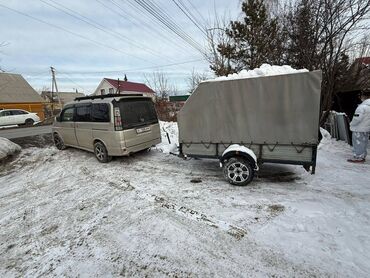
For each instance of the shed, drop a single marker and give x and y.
(17, 93)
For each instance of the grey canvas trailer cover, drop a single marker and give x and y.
(246, 122)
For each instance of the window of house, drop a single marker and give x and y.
(102, 91)
(100, 112)
(67, 115)
(83, 113)
(111, 90)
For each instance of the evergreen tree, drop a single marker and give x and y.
(255, 40)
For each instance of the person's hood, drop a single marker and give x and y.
(366, 102)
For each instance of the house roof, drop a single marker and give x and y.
(179, 98)
(358, 77)
(363, 60)
(64, 96)
(129, 86)
(15, 89)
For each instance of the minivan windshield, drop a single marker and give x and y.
(137, 112)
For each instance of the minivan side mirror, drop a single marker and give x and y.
(57, 118)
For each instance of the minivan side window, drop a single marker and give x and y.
(67, 115)
(100, 112)
(83, 113)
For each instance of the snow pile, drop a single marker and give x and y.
(264, 70)
(7, 148)
(330, 144)
(171, 129)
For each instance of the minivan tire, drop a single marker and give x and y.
(58, 142)
(101, 153)
(238, 171)
(29, 122)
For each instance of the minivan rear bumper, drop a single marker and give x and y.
(135, 148)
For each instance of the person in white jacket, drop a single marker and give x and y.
(360, 127)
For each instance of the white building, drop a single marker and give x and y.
(113, 86)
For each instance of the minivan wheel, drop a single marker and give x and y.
(58, 142)
(101, 152)
(238, 171)
(29, 122)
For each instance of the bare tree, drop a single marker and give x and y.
(194, 79)
(159, 82)
(338, 18)
(220, 64)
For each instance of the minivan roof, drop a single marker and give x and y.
(106, 98)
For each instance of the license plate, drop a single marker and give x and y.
(143, 129)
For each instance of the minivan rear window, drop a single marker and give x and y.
(137, 112)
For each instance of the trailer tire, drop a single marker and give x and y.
(238, 171)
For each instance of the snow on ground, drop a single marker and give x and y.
(62, 213)
(169, 143)
(263, 70)
(7, 148)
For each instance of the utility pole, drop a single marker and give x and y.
(118, 91)
(54, 84)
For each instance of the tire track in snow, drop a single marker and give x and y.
(194, 215)
(183, 211)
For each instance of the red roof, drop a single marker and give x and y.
(363, 60)
(129, 86)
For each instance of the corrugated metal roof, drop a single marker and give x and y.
(15, 89)
(129, 86)
(64, 96)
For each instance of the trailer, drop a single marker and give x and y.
(250, 121)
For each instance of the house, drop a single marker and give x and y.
(117, 86)
(64, 97)
(16, 93)
(176, 103)
(167, 109)
(347, 98)
(52, 105)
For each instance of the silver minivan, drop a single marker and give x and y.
(108, 125)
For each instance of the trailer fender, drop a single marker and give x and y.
(239, 150)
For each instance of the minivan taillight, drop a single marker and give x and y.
(117, 119)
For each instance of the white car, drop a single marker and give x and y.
(18, 117)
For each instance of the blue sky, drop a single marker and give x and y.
(132, 42)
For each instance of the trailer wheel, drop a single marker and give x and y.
(238, 171)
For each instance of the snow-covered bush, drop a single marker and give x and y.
(7, 148)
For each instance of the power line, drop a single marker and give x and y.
(173, 23)
(135, 69)
(71, 32)
(184, 10)
(176, 41)
(165, 19)
(195, 18)
(97, 25)
(141, 21)
(199, 14)
(68, 78)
